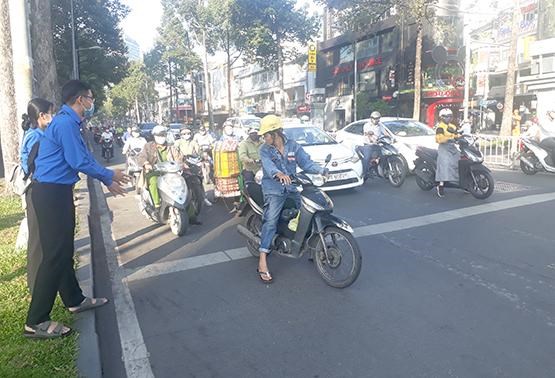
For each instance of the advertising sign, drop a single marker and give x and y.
(312, 57)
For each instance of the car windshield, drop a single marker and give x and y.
(176, 126)
(409, 127)
(308, 136)
(147, 126)
(251, 122)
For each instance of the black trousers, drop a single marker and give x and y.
(51, 218)
(248, 176)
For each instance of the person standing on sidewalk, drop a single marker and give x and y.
(62, 154)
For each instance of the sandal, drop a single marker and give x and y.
(88, 304)
(261, 274)
(47, 330)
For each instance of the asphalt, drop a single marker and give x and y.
(463, 298)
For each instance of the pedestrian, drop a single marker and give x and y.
(447, 153)
(35, 121)
(249, 155)
(62, 154)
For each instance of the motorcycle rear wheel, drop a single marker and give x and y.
(337, 258)
(484, 185)
(423, 184)
(397, 171)
(526, 169)
(254, 225)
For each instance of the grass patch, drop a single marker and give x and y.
(20, 357)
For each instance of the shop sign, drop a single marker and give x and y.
(312, 57)
(443, 93)
(305, 108)
(361, 65)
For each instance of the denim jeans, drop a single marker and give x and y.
(273, 205)
(368, 152)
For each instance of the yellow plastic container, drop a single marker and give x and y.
(226, 164)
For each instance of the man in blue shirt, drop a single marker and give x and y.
(62, 154)
(280, 157)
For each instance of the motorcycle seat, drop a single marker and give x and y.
(426, 152)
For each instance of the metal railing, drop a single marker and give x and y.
(499, 150)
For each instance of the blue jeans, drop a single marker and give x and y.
(273, 205)
(368, 152)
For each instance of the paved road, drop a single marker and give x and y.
(465, 292)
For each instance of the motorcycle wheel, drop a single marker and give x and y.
(397, 171)
(197, 197)
(422, 183)
(343, 254)
(254, 225)
(525, 168)
(483, 188)
(178, 220)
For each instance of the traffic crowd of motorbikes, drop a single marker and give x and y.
(171, 170)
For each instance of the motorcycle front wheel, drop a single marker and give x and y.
(397, 171)
(254, 225)
(178, 220)
(482, 185)
(339, 264)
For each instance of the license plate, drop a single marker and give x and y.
(338, 176)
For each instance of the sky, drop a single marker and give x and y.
(144, 18)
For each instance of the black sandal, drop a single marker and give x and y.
(47, 330)
(265, 274)
(88, 304)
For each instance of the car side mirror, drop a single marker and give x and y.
(328, 158)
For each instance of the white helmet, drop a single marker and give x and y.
(445, 113)
(159, 131)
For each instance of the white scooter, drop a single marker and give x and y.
(133, 168)
(533, 158)
(174, 198)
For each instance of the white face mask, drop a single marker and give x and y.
(228, 132)
(160, 139)
(136, 135)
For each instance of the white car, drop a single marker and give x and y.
(408, 134)
(345, 166)
(241, 125)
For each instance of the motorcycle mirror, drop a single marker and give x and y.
(328, 158)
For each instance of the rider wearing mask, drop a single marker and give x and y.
(155, 152)
(249, 156)
(38, 117)
(544, 135)
(373, 131)
(280, 157)
(186, 145)
(228, 133)
(204, 139)
(135, 141)
(107, 134)
(127, 134)
(447, 153)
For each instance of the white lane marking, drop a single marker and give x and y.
(187, 263)
(134, 353)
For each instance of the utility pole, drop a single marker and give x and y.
(207, 82)
(74, 52)
(21, 49)
(355, 81)
(171, 93)
(507, 121)
(9, 126)
(466, 71)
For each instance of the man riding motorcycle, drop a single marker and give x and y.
(135, 141)
(370, 151)
(249, 156)
(280, 157)
(186, 145)
(447, 153)
(154, 152)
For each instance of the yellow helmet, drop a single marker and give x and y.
(270, 123)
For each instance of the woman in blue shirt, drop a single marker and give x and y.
(38, 117)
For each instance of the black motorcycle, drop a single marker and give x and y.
(327, 239)
(474, 176)
(193, 178)
(391, 165)
(107, 148)
(119, 140)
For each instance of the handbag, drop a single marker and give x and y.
(20, 180)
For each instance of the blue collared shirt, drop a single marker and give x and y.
(273, 162)
(63, 154)
(31, 137)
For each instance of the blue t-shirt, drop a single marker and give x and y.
(31, 137)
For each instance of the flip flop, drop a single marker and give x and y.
(265, 274)
(89, 304)
(47, 330)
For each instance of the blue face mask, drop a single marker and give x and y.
(89, 112)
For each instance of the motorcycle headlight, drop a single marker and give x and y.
(318, 180)
(355, 158)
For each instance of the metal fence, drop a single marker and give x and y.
(499, 150)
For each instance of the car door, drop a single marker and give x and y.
(353, 134)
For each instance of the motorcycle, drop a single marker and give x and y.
(174, 198)
(474, 176)
(107, 149)
(133, 168)
(327, 239)
(391, 165)
(97, 137)
(119, 140)
(193, 178)
(533, 158)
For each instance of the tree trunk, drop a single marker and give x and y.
(207, 82)
(507, 121)
(42, 45)
(280, 78)
(418, 71)
(228, 53)
(9, 127)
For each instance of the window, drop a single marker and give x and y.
(367, 82)
(368, 47)
(327, 57)
(356, 128)
(346, 54)
(548, 64)
(388, 42)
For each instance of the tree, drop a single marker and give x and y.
(42, 44)
(97, 24)
(9, 127)
(507, 120)
(273, 30)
